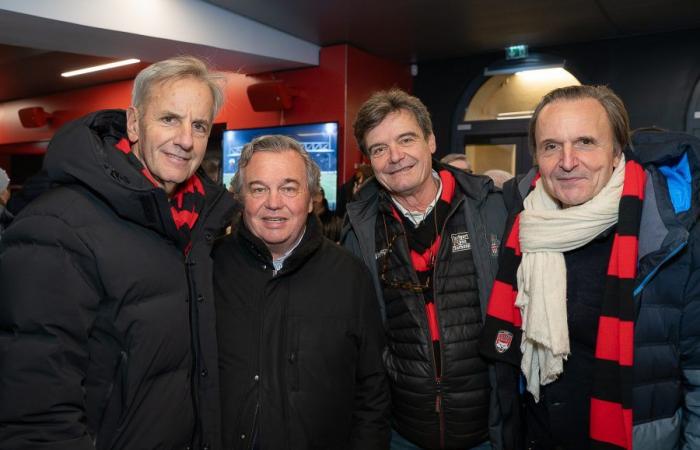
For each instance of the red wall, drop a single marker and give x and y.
(332, 91)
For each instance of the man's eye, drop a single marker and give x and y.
(408, 140)
(289, 191)
(200, 127)
(168, 119)
(377, 151)
(549, 147)
(258, 190)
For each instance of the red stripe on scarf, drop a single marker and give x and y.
(611, 423)
(513, 240)
(615, 340)
(635, 178)
(504, 310)
(182, 216)
(623, 266)
(432, 321)
(123, 146)
(422, 261)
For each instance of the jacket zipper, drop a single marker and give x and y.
(194, 325)
(436, 376)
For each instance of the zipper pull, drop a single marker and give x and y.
(438, 403)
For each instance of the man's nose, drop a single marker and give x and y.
(569, 159)
(396, 154)
(184, 138)
(273, 200)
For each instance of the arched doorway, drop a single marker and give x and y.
(492, 118)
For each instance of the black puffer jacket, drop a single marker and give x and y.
(106, 329)
(458, 411)
(300, 350)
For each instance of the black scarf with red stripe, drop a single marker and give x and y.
(424, 244)
(611, 397)
(186, 202)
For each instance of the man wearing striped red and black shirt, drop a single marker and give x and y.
(429, 235)
(596, 303)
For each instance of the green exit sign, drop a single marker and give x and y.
(516, 52)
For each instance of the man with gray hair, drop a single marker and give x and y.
(300, 336)
(106, 310)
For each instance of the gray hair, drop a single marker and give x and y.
(612, 104)
(277, 143)
(175, 69)
(498, 176)
(452, 157)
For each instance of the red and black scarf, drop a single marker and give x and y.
(186, 203)
(424, 244)
(611, 397)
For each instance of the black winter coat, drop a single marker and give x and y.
(106, 329)
(300, 350)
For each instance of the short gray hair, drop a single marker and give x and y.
(277, 143)
(452, 157)
(175, 69)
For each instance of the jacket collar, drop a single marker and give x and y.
(366, 206)
(310, 243)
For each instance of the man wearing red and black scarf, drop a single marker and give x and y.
(594, 313)
(429, 235)
(105, 280)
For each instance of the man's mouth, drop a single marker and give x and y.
(401, 169)
(176, 157)
(274, 219)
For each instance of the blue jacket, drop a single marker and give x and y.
(667, 327)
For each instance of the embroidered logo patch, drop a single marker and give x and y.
(495, 245)
(503, 340)
(460, 242)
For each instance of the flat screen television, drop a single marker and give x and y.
(319, 139)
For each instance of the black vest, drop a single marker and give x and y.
(451, 412)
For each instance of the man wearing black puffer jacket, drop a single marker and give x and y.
(106, 311)
(429, 234)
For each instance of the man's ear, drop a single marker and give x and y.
(132, 124)
(431, 143)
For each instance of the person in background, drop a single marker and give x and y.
(458, 160)
(299, 332)
(498, 176)
(5, 215)
(597, 298)
(330, 223)
(106, 308)
(212, 167)
(347, 191)
(429, 234)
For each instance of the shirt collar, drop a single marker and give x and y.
(416, 217)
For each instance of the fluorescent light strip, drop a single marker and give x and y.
(514, 115)
(112, 65)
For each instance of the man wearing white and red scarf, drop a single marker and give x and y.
(607, 354)
(106, 303)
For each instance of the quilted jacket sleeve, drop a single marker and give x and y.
(47, 305)
(690, 348)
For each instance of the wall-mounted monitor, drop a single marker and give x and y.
(319, 139)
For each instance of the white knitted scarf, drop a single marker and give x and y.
(546, 232)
